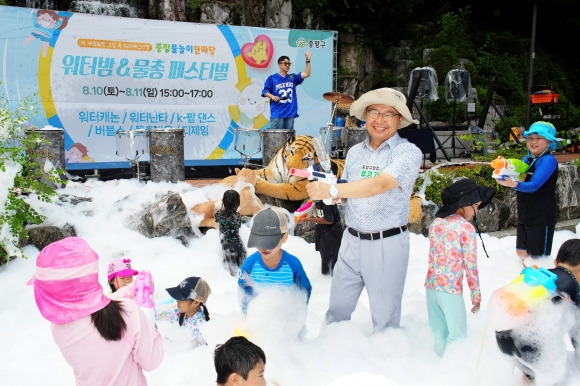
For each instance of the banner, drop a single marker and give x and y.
(97, 77)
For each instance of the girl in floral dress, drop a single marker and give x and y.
(453, 251)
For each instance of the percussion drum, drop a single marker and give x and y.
(50, 150)
(166, 148)
(353, 135)
(274, 140)
(132, 144)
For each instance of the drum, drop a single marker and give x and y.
(247, 142)
(354, 135)
(132, 144)
(167, 155)
(50, 150)
(332, 136)
(274, 140)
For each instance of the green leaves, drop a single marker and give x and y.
(24, 177)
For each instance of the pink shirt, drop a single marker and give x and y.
(453, 251)
(98, 362)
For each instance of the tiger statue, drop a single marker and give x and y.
(275, 179)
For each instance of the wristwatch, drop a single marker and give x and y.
(333, 191)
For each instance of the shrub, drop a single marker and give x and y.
(21, 177)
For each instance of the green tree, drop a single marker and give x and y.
(23, 177)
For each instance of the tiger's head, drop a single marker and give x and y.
(298, 152)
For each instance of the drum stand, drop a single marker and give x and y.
(120, 134)
(327, 133)
(246, 147)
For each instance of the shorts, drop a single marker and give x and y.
(536, 240)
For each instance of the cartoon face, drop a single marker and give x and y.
(74, 155)
(46, 21)
(250, 101)
(258, 52)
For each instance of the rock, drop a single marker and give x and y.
(41, 236)
(167, 217)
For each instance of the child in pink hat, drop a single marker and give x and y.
(120, 273)
(87, 324)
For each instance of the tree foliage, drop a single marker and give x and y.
(26, 176)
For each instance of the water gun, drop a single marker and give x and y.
(315, 175)
(143, 291)
(510, 167)
(305, 211)
(533, 286)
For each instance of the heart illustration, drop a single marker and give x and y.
(259, 53)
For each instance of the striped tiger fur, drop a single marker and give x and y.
(275, 179)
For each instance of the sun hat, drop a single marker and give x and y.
(66, 283)
(193, 287)
(543, 129)
(120, 267)
(268, 227)
(383, 96)
(463, 192)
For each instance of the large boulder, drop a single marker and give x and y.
(167, 217)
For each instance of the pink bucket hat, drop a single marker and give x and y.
(120, 267)
(66, 283)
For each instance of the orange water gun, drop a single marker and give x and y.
(533, 286)
(508, 167)
(306, 210)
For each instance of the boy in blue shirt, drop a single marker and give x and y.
(270, 265)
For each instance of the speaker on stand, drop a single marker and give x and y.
(422, 85)
(425, 79)
(457, 89)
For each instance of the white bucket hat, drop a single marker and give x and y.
(383, 96)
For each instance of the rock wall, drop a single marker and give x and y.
(501, 213)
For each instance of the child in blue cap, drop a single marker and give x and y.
(536, 193)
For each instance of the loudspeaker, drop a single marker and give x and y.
(427, 83)
(457, 86)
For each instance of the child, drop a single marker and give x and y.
(106, 341)
(536, 345)
(328, 233)
(191, 295)
(453, 250)
(270, 265)
(239, 362)
(120, 274)
(229, 220)
(536, 195)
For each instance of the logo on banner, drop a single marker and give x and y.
(259, 53)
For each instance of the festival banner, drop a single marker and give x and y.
(97, 76)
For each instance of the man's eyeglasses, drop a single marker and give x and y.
(374, 114)
(286, 63)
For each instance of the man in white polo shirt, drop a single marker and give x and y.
(381, 173)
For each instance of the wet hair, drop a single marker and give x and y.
(282, 58)
(109, 321)
(203, 308)
(569, 252)
(236, 356)
(230, 201)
